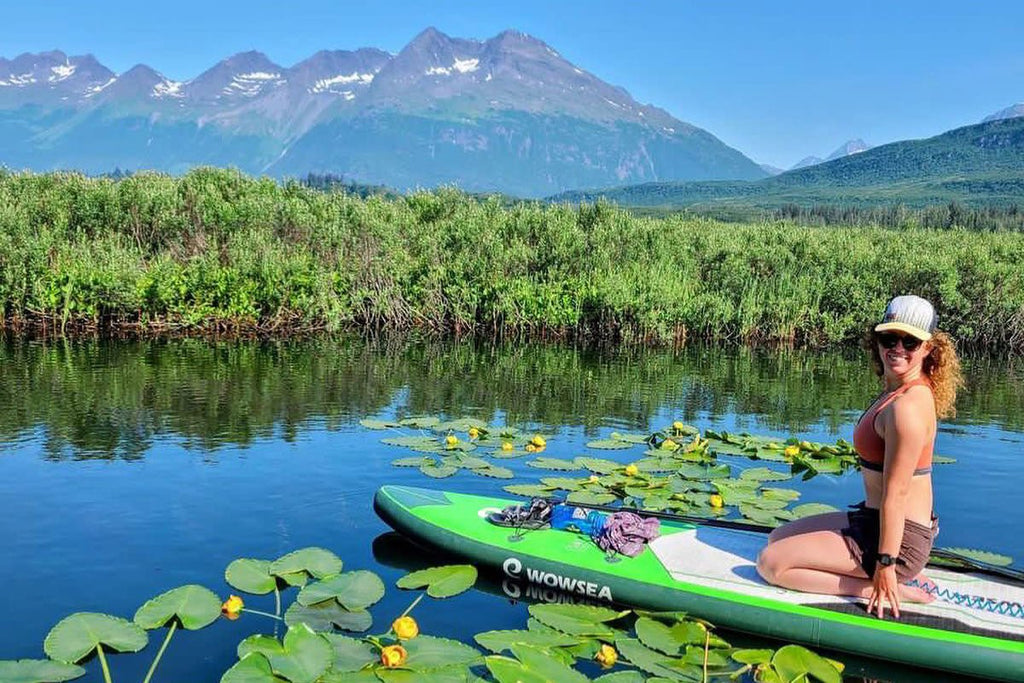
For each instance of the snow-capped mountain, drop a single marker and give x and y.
(509, 113)
(1010, 112)
(844, 150)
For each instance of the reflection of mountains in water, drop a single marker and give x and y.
(393, 550)
(112, 399)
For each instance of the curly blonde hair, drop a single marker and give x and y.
(941, 366)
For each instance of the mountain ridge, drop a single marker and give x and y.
(508, 113)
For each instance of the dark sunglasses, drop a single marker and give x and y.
(889, 340)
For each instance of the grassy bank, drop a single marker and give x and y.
(216, 250)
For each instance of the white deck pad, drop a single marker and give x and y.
(725, 559)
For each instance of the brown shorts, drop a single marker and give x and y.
(861, 538)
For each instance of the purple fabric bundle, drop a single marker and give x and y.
(627, 533)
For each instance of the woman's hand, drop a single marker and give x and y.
(886, 587)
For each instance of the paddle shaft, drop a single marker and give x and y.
(938, 553)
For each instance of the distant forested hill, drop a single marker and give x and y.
(976, 165)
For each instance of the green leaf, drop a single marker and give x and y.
(415, 461)
(349, 654)
(496, 641)
(622, 677)
(469, 462)
(793, 661)
(449, 674)
(808, 509)
(555, 464)
(77, 635)
(441, 582)
(590, 498)
(787, 495)
(942, 460)
(429, 652)
(764, 474)
(38, 671)
(563, 483)
(420, 422)
(639, 439)
(609, 444)
(438, 471)
(646, 659)
(982, 556)
(325, 616)
(577, 620)
(658, 636)
(528, 490)
(508, 670)
(598, 465)
(412, 441)
(704, 471)
(539, 662)
(253, 668)
(250, 576)
(494, 472)
(302, 658)
(317, 562)
(194, 606)
(753, 657)
(353, 590)
(377, 424)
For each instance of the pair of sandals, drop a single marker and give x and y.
(535, 515)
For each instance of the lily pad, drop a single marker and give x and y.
(326, 615)
(38, 671)
(555, 464)
(420, 422)
(764, 474)
(792, 662)
(353, 590)
(808, 509)
(349, 654)
(75, 636)
(495, 472)
(194, 606)
(429, 652)
(412, 441)
(302, 658)
(438, 471)
(378, 424)
(590, 498)
(609, 444)
(253, 668)
(540, 662)
(250, 576)
(529, 490)
(496, 641)
(508, 670)
(598, 465)
(576, 620)
(314, 561)
(441, 582)
(412, 462)
(639, 439)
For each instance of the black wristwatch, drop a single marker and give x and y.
(887, 560)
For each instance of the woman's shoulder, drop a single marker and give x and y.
(917, 400)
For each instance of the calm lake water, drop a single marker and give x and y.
(127, 469)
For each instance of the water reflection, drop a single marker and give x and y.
(111, 399)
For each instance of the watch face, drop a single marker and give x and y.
(885, 560)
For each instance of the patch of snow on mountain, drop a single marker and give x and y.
(349, 95)
(23, 79)
(61, 72)
(168, 89)
(463, 66)
(489, 77)
(251, 84)
(326, 84)
(99, 88)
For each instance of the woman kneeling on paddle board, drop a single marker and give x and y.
(885, 541)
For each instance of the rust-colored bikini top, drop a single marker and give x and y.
(871, 447)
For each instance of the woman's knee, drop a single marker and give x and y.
(768, 563)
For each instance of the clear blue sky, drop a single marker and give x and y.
(777, 80)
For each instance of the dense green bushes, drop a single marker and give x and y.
(218, 250)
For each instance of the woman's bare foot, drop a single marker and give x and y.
(921, 592)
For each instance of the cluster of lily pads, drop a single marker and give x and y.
(632, 646)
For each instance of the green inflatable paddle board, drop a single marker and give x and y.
(975, 627)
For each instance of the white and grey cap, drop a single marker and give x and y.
(910, 314)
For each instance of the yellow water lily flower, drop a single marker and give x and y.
(405, 628)
(806, 445)
(668, 445)
(530, 448)
(716, 501)
(677, 426)
(507, 446)
(473, 432)
(393, 655)
(451, 440)
(232, 606)
(792, 450)
(538, 441)
(631, 470)
(594, 479)
(606, 656)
